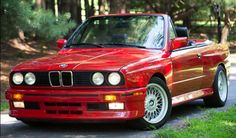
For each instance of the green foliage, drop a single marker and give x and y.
(19, 15)
(232, 36)
(226, 3)
(13, 17)
(214, 124)
(44, 25)
(4, 105)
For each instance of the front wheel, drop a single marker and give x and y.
(157, 105)
(220, 88)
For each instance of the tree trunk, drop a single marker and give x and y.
(63, 6)
(75, 10)
(118, 6)
(49, 4)
(226, 28)
(101, 6)
(92, 9)
(87, 8)
(79, 19)
(40, 4)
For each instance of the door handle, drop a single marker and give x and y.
(199, 55)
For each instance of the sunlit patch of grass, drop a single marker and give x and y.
(232, 124)
(213, 124)
(4, 105)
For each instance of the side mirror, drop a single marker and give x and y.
(61, 43)
(178, 42)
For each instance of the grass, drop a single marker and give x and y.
(212, 125)
(4, 105)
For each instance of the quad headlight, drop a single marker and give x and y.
(114, 78)
(30, 78)
(98, 78)
(17, 78)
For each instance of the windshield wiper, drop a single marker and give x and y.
(123, 45)
(87, 44)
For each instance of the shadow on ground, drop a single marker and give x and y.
(96, 129)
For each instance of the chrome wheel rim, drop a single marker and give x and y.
(156, 103)
(222, 86)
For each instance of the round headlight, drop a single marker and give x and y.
(114, 78)
(30, 78)
(98, 78)
(17, 78)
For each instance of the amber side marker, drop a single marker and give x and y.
(137, 93)
(18, 96)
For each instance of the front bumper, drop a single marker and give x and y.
(68, 104)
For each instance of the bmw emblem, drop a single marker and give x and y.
(63, 65)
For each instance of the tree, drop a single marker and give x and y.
(40, 4)
(228, 8)
(50, 5)
(101, 6)
(118, 6)
(89, 8)
(75, 10)
(19, 16)
(13, 18)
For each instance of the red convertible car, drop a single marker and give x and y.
(132, 67)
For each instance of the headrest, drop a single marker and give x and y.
(182, 31)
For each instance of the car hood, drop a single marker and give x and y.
(89, 59)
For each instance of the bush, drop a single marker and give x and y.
(13, 17)
(45, 26)
(18, 15)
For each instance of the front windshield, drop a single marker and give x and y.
(121, 31)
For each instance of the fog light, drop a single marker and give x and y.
(116, 106)
(110, 98)
(18, 96)
(19, 104)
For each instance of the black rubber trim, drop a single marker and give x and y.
(127, 94)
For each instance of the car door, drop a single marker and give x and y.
(187, 68)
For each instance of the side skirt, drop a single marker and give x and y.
(183, 98)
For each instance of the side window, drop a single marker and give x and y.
(171, 30)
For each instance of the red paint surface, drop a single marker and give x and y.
(183, 71)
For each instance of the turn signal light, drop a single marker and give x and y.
(18, 96)
(110, 98)
(137, 93)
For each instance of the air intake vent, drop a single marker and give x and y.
(67, 78)
(54, 78)
(63, 78)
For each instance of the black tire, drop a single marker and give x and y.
(141, 123)
(215, 100)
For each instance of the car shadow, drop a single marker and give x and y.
(96, 129)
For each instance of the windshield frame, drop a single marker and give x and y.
(80, 28)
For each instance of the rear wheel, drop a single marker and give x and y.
(220, 87)
(157, 106)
